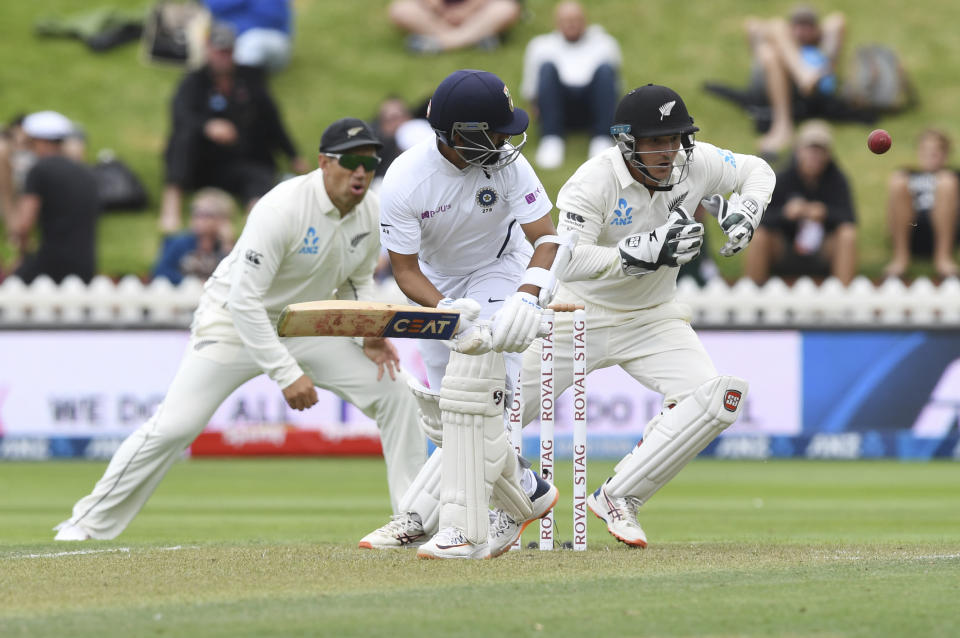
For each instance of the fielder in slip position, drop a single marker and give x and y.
(309, 238)
(468, 228)
(629, 208)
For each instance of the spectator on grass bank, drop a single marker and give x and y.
(16, 158)
(197, 252)
(263, 29)
(226, 132)
(444, 25)
(922, 208)
(810, 227)
(59, 199)
(571, 78)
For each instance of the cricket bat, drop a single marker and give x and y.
(336, 318)
(345, 318)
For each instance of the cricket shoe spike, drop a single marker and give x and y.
(403, 530)
(451, 542)
(620, 515)
(504, 530)
(67, 531)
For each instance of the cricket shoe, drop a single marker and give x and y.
(403, 530)
(451, 542)
(504, 530)
(620, 515)
(67, 531)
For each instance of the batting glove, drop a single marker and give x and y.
(739, 217)
(515, 325)
(675, 243)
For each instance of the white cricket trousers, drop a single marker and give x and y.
(208, 374)
(656, 346)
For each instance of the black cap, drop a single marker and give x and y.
(347, 133)
(469, 95)
(652, 111)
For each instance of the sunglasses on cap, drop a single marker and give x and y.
(351, 162)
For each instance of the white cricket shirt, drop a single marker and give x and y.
(604, 203)
(294, 247)
(576, 62)
(457, 220)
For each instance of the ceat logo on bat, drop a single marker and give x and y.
(732, 400)
(422, 325)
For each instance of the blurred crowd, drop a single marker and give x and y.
(228, 144)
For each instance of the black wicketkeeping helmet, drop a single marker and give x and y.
(654, 111)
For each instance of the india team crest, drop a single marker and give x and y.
(486, 198)
(506, 92)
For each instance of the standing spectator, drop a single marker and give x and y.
(571, 77)
(922, 208)
(197, 252)
(226, 130)
(263, 29)
(444, 25)
(311, 237)
(810, 227)
(60, 198)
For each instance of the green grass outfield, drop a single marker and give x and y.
(347, 58)
(268, 547)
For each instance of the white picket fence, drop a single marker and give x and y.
(130, 303)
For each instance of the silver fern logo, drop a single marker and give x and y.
(666, 108)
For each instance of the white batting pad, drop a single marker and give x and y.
(472, 402)
(428, 403)
(678, 435)
(423, 495)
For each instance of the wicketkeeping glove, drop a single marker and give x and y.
(738, 217)
(675, 243)
(515, 325)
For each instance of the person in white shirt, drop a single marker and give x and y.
(629, 208)
(459, 213)
(311, 237)
(571, 75)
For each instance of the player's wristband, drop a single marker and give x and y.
(539, 277)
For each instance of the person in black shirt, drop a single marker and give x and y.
(226, 131)
(923, 203)
(60, 198)
(810, 226)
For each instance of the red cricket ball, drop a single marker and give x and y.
(879, 141)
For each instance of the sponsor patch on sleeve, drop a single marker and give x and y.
(731, 401)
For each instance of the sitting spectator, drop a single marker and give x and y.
(922, 208)
(262, 27)
(793, 75)
(393, 112)
(570, 78)
(809, 227)
(226, 129)
(444, 25)
(197, 252)
(60, 198)
(794, 61)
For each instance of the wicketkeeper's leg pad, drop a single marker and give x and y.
(677, 435)
(428, 403)
(472, 398)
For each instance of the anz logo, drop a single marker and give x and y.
(310, 243)
(622, 214)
